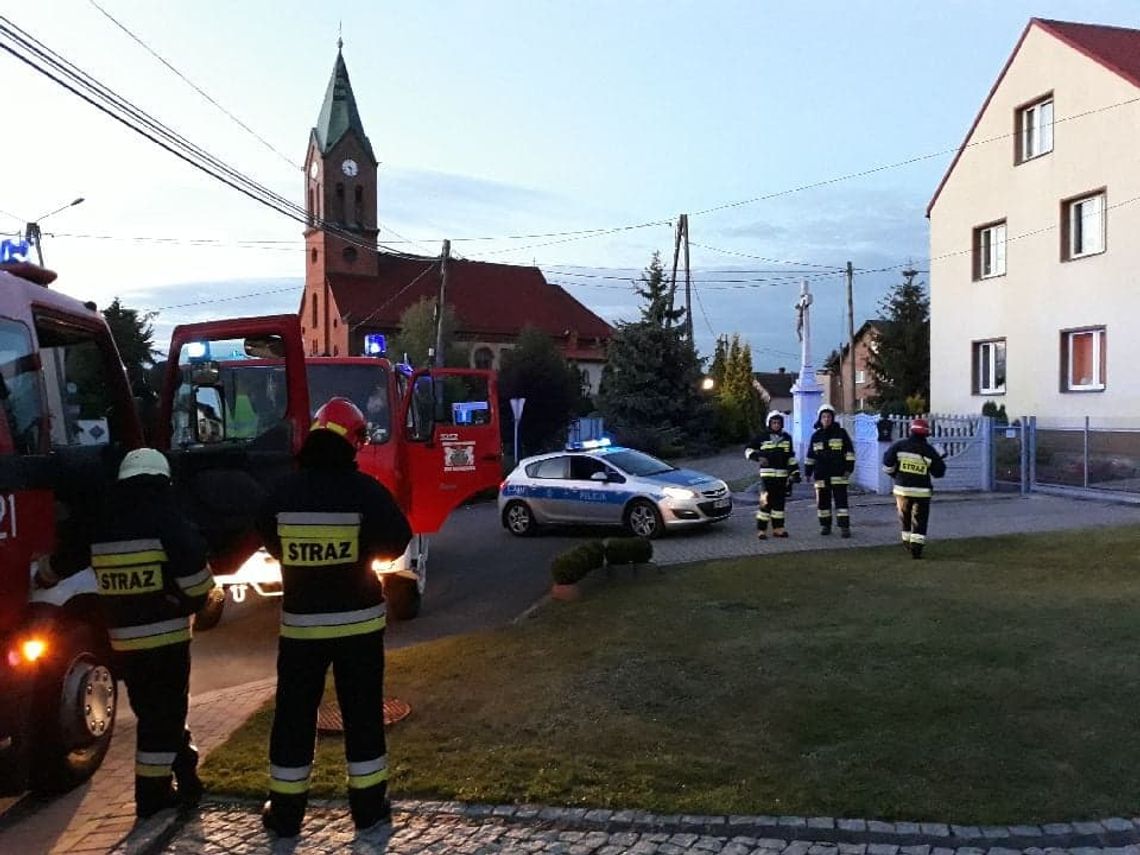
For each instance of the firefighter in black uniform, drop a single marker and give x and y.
(830, 461)
(326, 523)
(773, 451)
(150, 565)
(912, 462)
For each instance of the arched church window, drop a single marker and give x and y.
(350, 254)
(312, 206)
(313, 255)
(358, 207)
(484, 358)
(316, 320)
(340, 202)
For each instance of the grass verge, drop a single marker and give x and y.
(994, 682)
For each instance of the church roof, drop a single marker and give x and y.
(489, 299)
(338, 112)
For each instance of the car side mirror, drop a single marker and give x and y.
(209, 424)
(600, 476)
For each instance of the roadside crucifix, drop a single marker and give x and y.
(806, 393)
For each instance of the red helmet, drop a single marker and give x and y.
(920, 427)
(343, 418)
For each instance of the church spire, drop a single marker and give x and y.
(338, 113)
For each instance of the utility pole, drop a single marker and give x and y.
(444, 258)
(688, 281)
(676, 253)
(32, 233)
(851, 331)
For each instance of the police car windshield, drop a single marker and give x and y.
(364, 385)
(637, 463)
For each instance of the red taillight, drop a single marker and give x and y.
(26, 651)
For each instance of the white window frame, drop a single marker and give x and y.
(860, 377)
(986, 356)
(1085, 216)
(991, 250)
(1036, 121)
(1098, 337)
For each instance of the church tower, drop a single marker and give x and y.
(340, 203)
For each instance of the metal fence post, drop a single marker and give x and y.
(1086, 454)
(1032, 452)
(1023, 457)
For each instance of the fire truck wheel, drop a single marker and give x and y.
(75, 703)
(210, 615)
(403, 596)
(519, 519)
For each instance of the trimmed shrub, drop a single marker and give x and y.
(628, 550)
(574, 564)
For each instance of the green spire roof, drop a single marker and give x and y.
(338, 113)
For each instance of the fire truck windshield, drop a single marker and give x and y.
(363, 384)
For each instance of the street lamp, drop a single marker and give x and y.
(707, 384)
(32, 232)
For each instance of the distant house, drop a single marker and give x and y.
(354, 288)
(1034, 257)
(775, 387)
(865, 390)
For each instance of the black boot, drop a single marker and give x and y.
(283, 814)
(825, 529)
(190, 788)
(369, 807)
(153, 795)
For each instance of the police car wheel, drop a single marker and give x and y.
(644, 520)
(519, 519)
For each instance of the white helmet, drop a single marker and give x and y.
(144, 461)
(824, 408)
(775, 414)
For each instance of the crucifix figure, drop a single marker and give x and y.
(803, 319)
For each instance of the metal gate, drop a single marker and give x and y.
(967, 444)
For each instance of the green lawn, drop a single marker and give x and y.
(996, 681)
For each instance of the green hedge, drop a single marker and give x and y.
(574, 564)
(628, 550)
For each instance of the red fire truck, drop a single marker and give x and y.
(68, 419)
(433, 442)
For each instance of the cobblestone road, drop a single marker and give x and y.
(479, 829)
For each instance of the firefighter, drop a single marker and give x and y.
(150, 564)
(912, 462)
(326, 523)
(830, 461)
(778, 467)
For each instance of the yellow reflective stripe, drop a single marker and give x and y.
(289, 788)
(762, 516)
(336, 631)
(333, 426)
(773, 473)
(136, 579)
(200, 588)
(890, 470)
(193, 580)
(842, 512)
(824, 514)
(148, 642)
(361, 782)
(913, 492)
(906, 537)
(838, 482)
(311, 531)
(146, 770)
(777, 515)
(917, 538)
(126, 559)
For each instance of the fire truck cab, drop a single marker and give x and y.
(433, 442)
(68, 419)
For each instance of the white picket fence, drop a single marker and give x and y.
(966, 440)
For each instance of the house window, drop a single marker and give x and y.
(1083, 226)
(989, 367)
(1083, 360)
(989, 251)
(1034, 132)
(484, 358)
(860, 376)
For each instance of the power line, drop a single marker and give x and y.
(387, 302)
(765, 258)
(193, 85)
(225, 299)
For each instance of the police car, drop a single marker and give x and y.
(596, 483)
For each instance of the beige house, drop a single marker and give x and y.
(1035, 260)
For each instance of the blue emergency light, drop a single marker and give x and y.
(589, 444)
(197, 351)
(14, 250)
(375, 344)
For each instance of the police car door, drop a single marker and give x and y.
(234, 412)
(453, 449)
(595, 497)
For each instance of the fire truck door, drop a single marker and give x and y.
(453, 445)
(234, 412)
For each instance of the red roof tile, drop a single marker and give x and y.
(489, 299)
(1116, 48)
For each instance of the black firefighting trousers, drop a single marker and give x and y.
(358, 670)
(914, 514)
(773, 497)
(158, 687)
(827, 491)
